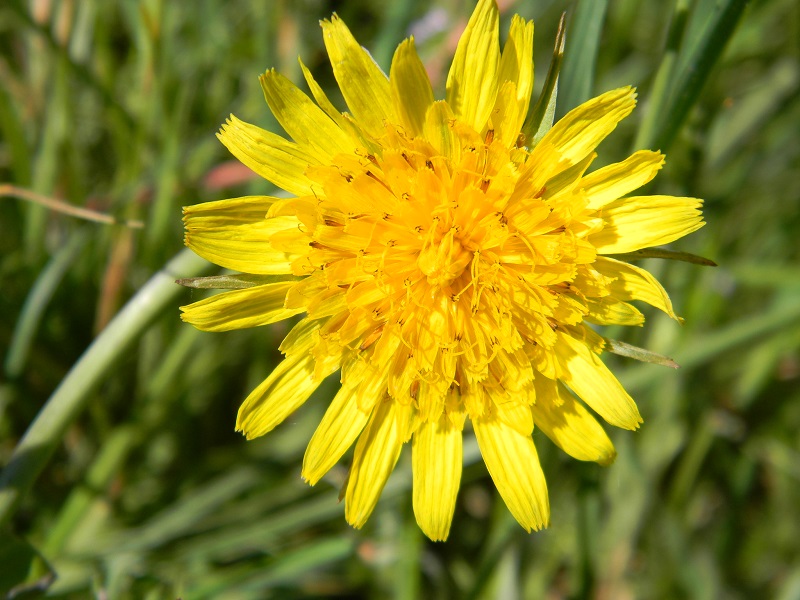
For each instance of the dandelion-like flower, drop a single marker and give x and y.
(448, 270)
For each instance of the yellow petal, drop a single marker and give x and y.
(303, 336)
(514, 466)
(506, 115)
(584, 127)
(436, 463)
(306, 290)
(544, 361)
(364, 86)
(609, 311)
(516, 65)
(339, 428)
(564, 182)
(406, 421)
(516, 415)
(294, 241)
(236, 233)
(430, 401)
(326, 304)
(244, 210)
(472, 80)
(533, 175)
(328, 354)
(412, 94)
(241, 255)
(643, 221)
(376, 453)
(303, 120)
(593, 341)
(614, 181)
(278, 396)
(237, 309)
(438, 132)
(274, 158)
(455, 411)
(565, 421)
(633, 283)
(590, 379)
(372, 389)
(344, 123)
(320, 97)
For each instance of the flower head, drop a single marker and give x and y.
(448, 270)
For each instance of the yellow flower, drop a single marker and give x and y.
(450, 272)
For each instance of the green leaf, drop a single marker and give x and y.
(16, 556)
(664, 253)
(636, 353)
(232, 282)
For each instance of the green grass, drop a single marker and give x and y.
(127, 479)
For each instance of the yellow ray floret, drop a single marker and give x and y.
(514, 466)
(437, 458)
(472, 80)
(449, 273)
(412, 94)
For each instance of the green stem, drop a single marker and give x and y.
(70, 398)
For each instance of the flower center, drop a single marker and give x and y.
(443, 261)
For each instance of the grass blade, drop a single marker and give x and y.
(659, 94)
(689, 80)
(45, 433)
(37, 301)
(577, 75)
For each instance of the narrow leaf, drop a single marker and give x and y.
(636, 353)
(664, 253)
(232, 282)
(16, 556)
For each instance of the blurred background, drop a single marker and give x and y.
(112, 106)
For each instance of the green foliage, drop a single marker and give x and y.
(131, 483)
